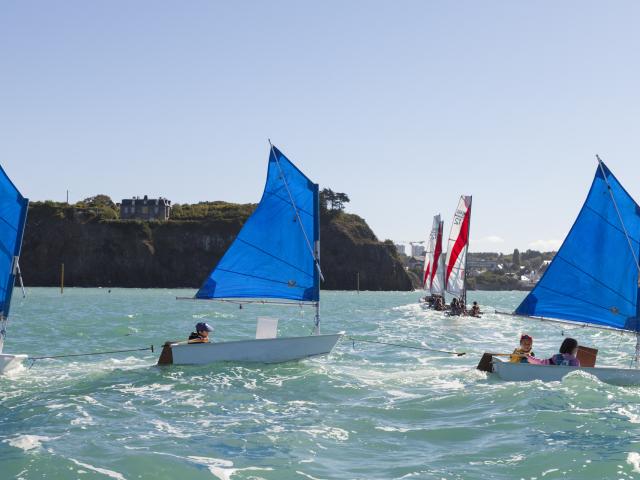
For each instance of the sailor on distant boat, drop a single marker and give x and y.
(201, 335)
(457, 308)
(439, 304)
(475, 310)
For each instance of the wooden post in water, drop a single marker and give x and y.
(61, 278)
(358, 282)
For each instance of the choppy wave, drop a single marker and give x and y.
(367, 411)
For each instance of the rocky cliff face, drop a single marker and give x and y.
(99, 252)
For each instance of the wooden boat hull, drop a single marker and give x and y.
(524, 372)
(268, 350)
(10, 362)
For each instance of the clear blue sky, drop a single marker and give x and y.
(403, 105)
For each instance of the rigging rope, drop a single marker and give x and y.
(615, 204)
(33, 359)
(413, 347)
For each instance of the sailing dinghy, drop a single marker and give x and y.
(433, 276)
(13, 216)
(456, 267)
(592, 281)
(274, 259)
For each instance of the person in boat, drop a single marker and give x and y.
(524, 351)
(455, 306)
(439, 304)
(566, 357)
(201, 335)
(475, 310)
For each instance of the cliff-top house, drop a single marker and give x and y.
(145, 208)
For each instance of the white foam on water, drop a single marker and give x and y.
(307, 475)
(103, 471)
(402, 395)
(146, 390)
(393, 429)
(333, 433)
(27, 442)
(164, 427)
(633, 417)
(84, 418)
(15, 372)
(218, 467)
(633, 459)
(59, 406)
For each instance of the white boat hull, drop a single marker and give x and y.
(524, 372)
(268, 350)
(10, 362)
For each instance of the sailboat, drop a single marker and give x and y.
(13, 216)
(592, 281)
(275, 259)
(456, 267)
(433, 275)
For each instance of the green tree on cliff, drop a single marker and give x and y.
(333, 201)
(97, 201)
(101, 204)
(516, 259)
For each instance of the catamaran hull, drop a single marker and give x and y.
(10, 362)
(524, 372)
(270, 350)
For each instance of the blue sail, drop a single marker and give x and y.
(13, 216)
(594, 276)
(272, 256)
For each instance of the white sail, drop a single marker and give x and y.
(457, 248)
(437, 283)
(429, 253)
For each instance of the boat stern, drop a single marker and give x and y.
(166, 356)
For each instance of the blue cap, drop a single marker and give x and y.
(202, 326)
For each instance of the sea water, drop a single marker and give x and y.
(367, 411)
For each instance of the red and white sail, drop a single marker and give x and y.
(433, 277)
(457, 248)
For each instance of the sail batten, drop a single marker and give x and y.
(272, 256)
(593, 279)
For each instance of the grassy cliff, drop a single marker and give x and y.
(101, 250)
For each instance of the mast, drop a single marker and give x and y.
(315, 251)
(4, 315)
(316, 255)
(464, 287)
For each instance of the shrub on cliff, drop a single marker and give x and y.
(212, 211)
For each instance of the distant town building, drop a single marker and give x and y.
(415, 263)
(401, 249)
(417, 250)
(145, 208)
(483, 265)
